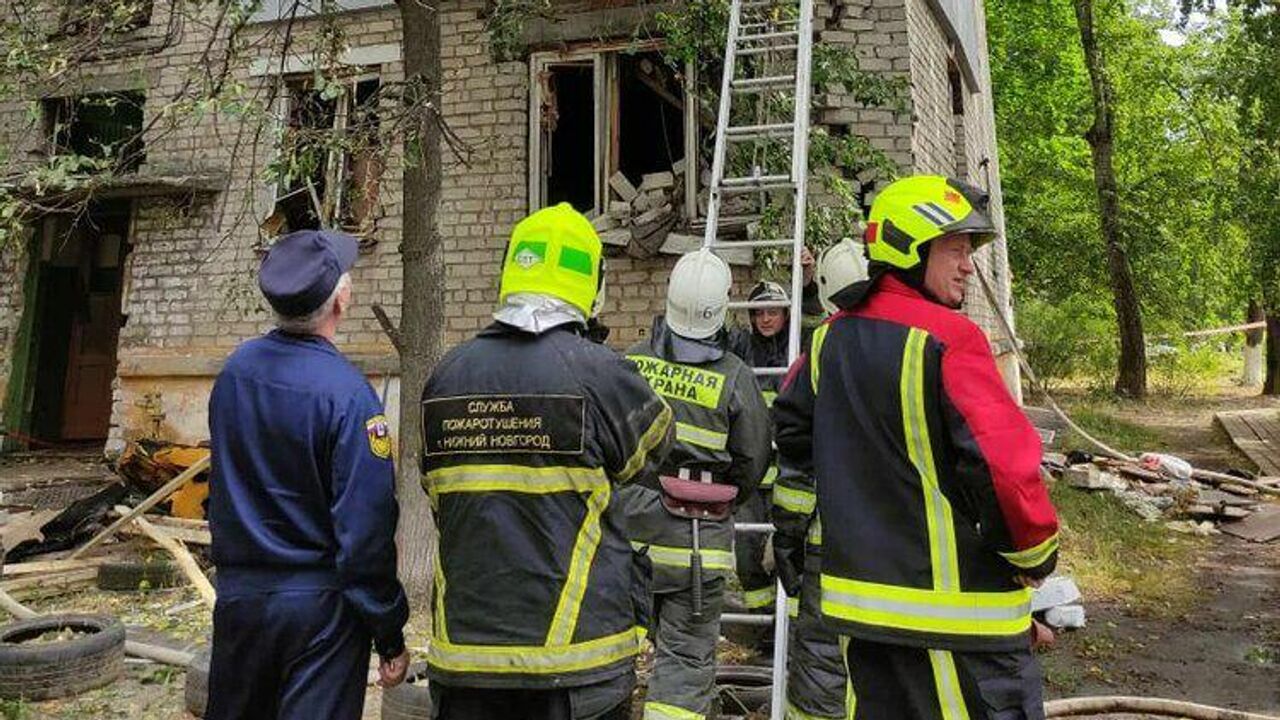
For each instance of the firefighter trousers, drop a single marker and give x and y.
(894, 682)
(817, 685)
(682, 686)
(609, 700)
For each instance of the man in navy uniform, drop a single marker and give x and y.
(302, 506)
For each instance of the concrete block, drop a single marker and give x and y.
(623, 187)
(652, 215)
(604, 222)
(680, 166)
(657, 181)
(618, 237)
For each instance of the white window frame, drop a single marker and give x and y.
(603, 59)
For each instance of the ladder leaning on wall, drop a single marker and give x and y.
(767, 66)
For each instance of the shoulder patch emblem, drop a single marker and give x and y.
(379, 433)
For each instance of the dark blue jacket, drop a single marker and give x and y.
(302, 494)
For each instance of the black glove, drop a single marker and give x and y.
(788, 562)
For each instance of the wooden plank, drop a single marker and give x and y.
(158, 496)
(53, 566)
(180, 553)
(1262, 526)
(1266, 455)
(57, 579)
(186, 535)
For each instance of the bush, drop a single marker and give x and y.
(1070, 341)
(1186, 369)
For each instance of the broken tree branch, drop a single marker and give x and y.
(388, 327)
(156, 497)
(186, 562)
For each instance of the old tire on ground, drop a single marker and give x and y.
(134, 576)
(196, 693)
(93, 657)
(410, 700)
(743, 689)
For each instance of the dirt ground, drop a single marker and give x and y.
(1224, 649)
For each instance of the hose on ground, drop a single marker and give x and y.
(1084, 706)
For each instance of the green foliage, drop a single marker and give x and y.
(1071, 341)
(1177, 149)
(505, 23)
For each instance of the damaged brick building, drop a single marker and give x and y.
(113, 324)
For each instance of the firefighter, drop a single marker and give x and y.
(722, 431)
(817, 684)
(935, 521)
(762, 345)
(302, 506)
(528, 431)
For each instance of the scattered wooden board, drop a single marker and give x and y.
(52, 566)
(1262, 526)
(1257, 434)
(24, 526)
(190, 536)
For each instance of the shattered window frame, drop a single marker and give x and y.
(603, 58)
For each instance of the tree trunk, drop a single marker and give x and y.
(1272, 384)
(422, 290)
(1253, 350)
(1132, 378)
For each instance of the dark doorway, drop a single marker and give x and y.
(650, 116)
(569, 135)
(76, 324)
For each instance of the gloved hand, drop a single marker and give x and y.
(788, 562)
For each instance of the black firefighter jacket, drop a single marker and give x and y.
(722, 427)
(526, 438)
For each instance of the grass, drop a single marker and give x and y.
(1118, 433)
(1116, 557)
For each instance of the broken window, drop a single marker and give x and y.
(330, 162)
(601, 113)
(104, 127)
(111, 16)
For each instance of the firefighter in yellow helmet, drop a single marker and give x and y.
(529, 429)
(935, 522)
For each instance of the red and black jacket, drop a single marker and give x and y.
(928, 476)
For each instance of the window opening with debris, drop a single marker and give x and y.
(330, 164)
(609, 134)
(103, 127)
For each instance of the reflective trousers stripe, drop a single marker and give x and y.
(931, 611)
(663, 711)
(815, 354)
(513, 478)
(793, 500)
(1033, 557)
(815, 531)
(679, 557)
(565, 621)
(759, 598)
(533, 659)
(770, 476)
(651, 438)
(702, 437)
(441, 625)
(942, 535)
(950, 699)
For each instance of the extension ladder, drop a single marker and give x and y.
(771, 43)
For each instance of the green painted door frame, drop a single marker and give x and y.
(25, 350)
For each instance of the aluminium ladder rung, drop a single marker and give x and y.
(770, 370)
(746, 618)
(729, 244)
(756, 183)
(790, 47)
(758, 304)
(755, 132)
(754, 527)
(771, 24)
(775, 35)
(761, 84)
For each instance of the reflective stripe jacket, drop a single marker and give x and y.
(302, 493)
(928, 476)
(525, 438)
(722, 426)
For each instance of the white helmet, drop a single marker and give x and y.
(698, 295)
(840, 266)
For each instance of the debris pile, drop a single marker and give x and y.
(1161, 488)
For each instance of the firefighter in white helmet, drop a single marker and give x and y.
(723, 438)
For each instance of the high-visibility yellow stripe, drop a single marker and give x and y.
(533, 659)
(654, 435)
(440, 627)
(942, 536)
(663, 711)
(759, 598)
(815, 354)
(514, 478)
(935, 611)
(565, 620)
(702, 437)
(947, 682)
(815, 531)
(770, 477)
(795, 713)
(769, 397)
(793, 500)
(793, 607)
(1033, 557)
(680, 557)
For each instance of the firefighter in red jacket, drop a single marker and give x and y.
(935, 521)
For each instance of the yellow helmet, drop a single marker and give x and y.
(915, 210)
(555, 252)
